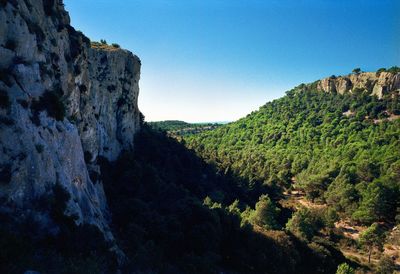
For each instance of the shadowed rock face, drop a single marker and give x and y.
(377, 84)
(62, 102)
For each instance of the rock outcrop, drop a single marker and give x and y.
(63, 106)
(375, 83)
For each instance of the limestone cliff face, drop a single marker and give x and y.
(377, 84)
(63, 105)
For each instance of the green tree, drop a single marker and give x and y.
(234, 208)
(265, 213)
(356, 70)
(344, 268)
(385, 265)
(379, 200)
(341, 195)
(304, 224)
(372, 237)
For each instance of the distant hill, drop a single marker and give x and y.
(180, 128)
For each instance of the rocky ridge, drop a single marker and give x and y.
(64, 106)
(376, 83)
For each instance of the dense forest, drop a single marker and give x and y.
(342, 151)
(174, 213)
(171, 213)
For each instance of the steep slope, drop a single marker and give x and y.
(341, 148)
(63, 106)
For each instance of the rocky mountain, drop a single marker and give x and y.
(64, 106)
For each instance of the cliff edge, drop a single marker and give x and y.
(376, 83)
(64, 105)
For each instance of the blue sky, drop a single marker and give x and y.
(218, 60)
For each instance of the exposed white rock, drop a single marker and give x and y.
(377, 84)
(39, 52)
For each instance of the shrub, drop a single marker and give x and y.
(379, 71)
(344, 269)
(23, 103)
(304, 224)
(265, 213)
(77, 69)
(104, 42)
(48, 7)
(394, 69)
(58, 205)
(82, 88)
(11, 45)
(37, 30)
(5, 76)
(75, 44)
(52, 103)
(4, 99)
(356, 70)
(115, 45)
(111, 88)
(88, 157)
(385, 265)
(5, 174)
(44, 70)
(6, 121)
(39, 148)
(20, 60)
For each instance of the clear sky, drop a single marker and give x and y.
(218, 60)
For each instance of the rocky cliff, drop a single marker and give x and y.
(376, 83)
(63, 106)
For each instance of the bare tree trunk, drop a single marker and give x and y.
(369, 255)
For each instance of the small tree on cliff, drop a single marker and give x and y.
(356, 70)
(372, 237)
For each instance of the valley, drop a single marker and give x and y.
(308, 183)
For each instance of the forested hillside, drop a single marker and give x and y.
(341, 150)
(174, 213)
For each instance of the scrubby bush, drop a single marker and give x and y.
(115, 45)
(11, 44)
(34, 28)
(4, 99)
(379, 71)
(344, 269)
(5, 76)
(394, 69)
(304, 224)
(39, 148)
(385, 265)
(5, 174)
(52, 103)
